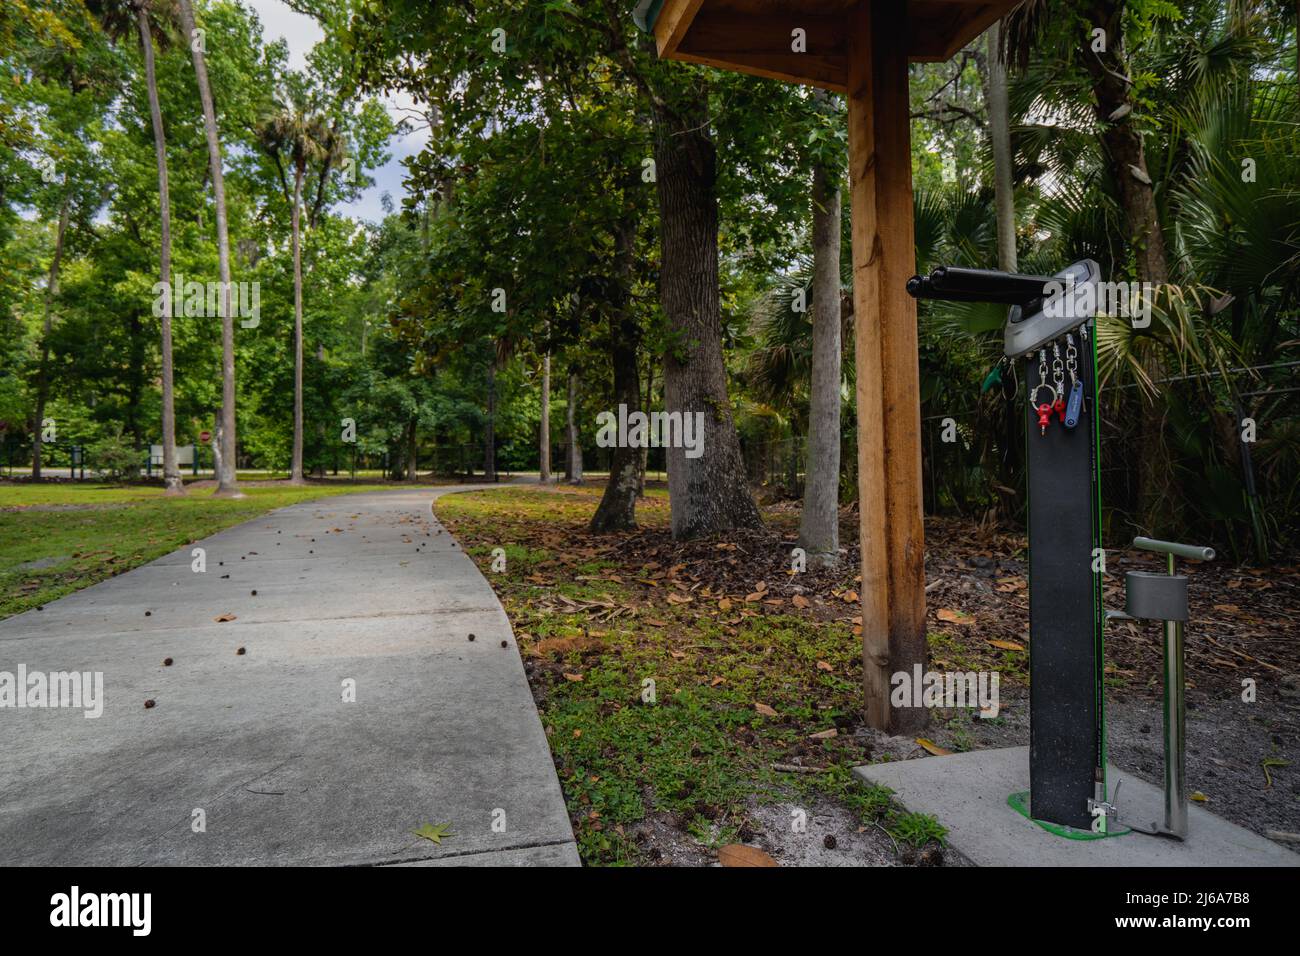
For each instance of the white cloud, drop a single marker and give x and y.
(301, 33)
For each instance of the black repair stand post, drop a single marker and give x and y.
(1065, 612)
(1067, 747)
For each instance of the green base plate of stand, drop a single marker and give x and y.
(1020, 803)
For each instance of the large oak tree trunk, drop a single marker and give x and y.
(819, 522)
(226, 483)
(171, 470)
(709, 493)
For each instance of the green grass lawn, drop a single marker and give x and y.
(80, 534)
(661, 697)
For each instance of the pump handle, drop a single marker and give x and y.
(1190, 551)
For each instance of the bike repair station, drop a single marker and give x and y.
(1073, 800)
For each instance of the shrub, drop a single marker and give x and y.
(114, 457)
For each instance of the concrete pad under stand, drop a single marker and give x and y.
(968, 793)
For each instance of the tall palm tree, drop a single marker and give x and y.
(51, 296)
(303, 139)
(119, 18)
(1000, 140)
(226, 483)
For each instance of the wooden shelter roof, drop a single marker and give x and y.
(755, 36)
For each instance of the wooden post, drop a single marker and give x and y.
(885, 340)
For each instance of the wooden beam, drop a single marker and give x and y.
(761, 45)
(674, 18)
(888, 380)
(723, 33)
(974, 25)
(935, 29)
(827, 72)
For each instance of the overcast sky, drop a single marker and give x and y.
(302, 33)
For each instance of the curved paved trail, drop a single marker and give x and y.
(363, 588)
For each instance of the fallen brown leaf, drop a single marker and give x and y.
(933, 748)
(737, 854)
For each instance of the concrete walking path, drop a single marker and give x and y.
(364, 588)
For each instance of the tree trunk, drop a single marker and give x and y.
(295, 473)
(490, 434)
(708, 493)
(1004, 196)
(172, 482)
(574, 470)
(643, 460)
(1004, 202)
(412, 454)
(218, 453)
(819, 523)
(617, 509)
(227, 486)
(320, 426)
(1123, 142)
(544, 442)
(135, 380)
(42, 374)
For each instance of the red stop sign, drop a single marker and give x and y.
(205, 437)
